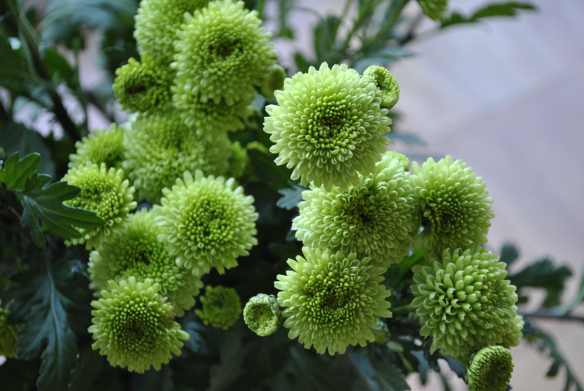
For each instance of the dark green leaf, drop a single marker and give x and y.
(232, 353)
(264, 166)
(94, 373)
(190, 324)
(422, 367)
(58, 67)
(528, 327)
(390, 377)
(579, 296)
(17, 137)
(410, 260)
(325, 34)
(291, 197)
(509, 254)
(456, 366)
(301, 63)
(153, 380)
(306, 372)
(508, 9)
(16, 171)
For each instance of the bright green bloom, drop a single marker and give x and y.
(328, 127)
(8, 335)
(330, 300)
(381, 333)
(157, 22)
(464, 301)
(238, 161)
(402, 158)
(137, 252)
(207, 222)
(434, 9)
(454, 202)
(102, 146)
(221, 307)
(511, 338)
(275, 81)
(387, 86)
(262, 314)
(489, 369)
(222, 53)
(375, 219)
(160, 148)
(134, 327)
(104, 192)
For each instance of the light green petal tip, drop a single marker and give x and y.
(402, 158)
(133, 326)
(434, 9)
(262, 314)
(221, 307)
(207, 222)
(274, 81)
(386, 84)
(8, 335)
(328, 126)
(331, 300)
(102, 146)
(489, 369)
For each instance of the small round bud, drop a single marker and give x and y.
(103, 146)
(221, 307)
(387, 86)
(262, 314)
(275, 81)
(489, 369)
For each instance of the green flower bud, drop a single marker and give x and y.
(275, 81)
(386, 84)
(238, 161)
(221, 307)
(489, 369)
(434, 9)
(330, 300)
(8, 335)
(262, 314)
(100, 147)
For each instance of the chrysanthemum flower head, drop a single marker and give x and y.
(376, 219)
(330, 300)
(262, 314)
(489, 369)
(221, 307)
(137, 252)
(387, 86)
(454, 203)
(402, 158)
(238, 161)
(222, 53)
(274, 81)
(511, 338)
(102, 146)
(133, 326)
(8, 335)
(207, 222)
(104, 192)
(434, 9)
(328, 126)
(464, 301)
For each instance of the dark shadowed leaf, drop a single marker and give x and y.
(508, 9)
(509, 254)
(390, 377)
(16, 171)
(291, 196)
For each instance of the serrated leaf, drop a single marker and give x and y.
(528, 327)
(456, 366)
(508, 9)
(422, 367)
(191, 325)
(16, 171)
(291, 196)
(390, 377)
(509, 254)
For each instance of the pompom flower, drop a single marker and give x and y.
(489, 369)
(330, 300)
(512, 337)
(8, 335)
(133, 326)
(207, 222)
(454, 202)
(221, 307)
(434, 9)
(137, 252)
(104, 192)
(102, 146)
(328, 126)
(222, 53)
(262, 314)
(238, 161)
(387, 86)
(375, 219)
(402, 158)
(275, 81)
(464, 301)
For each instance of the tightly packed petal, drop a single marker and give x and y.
(262, 314)
(221, 307)
(387, 86)
(489, 369)
(102, 146)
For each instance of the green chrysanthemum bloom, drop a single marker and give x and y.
(464, 301)
(104, 192)
(137, 252)
(381, 333)
(275, 81)
(222, 53)
(238, 161)
(207, 222)
(100, 147)
(489, 369)
(221, 307)
(262, 314)
(434, 9)
(157, 22)
(328, 127)
(134, 327)
(375, 219)
(144, 86)
(402, 158)
(387, 86)
(160, 148)
(454, 202)
(331, 300)
(8, 335)
(512, 337)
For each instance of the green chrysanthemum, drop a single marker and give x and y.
(8, 335)
(157, 22)
(516, 331)
(262, 314)
(434, 9)
(144, 86)
(328, 127)
(137, 252)
(454, 202)
(489, 369)
(331, 300)
(207, 222)
(222, 53)
(100, 147)
(238, 161)
(275, 81)
(221, 307)
(375, 219)
(134, 327)
(160, 148)
(387, 86)
(104, 192)
(402, 158)
(464, 301)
